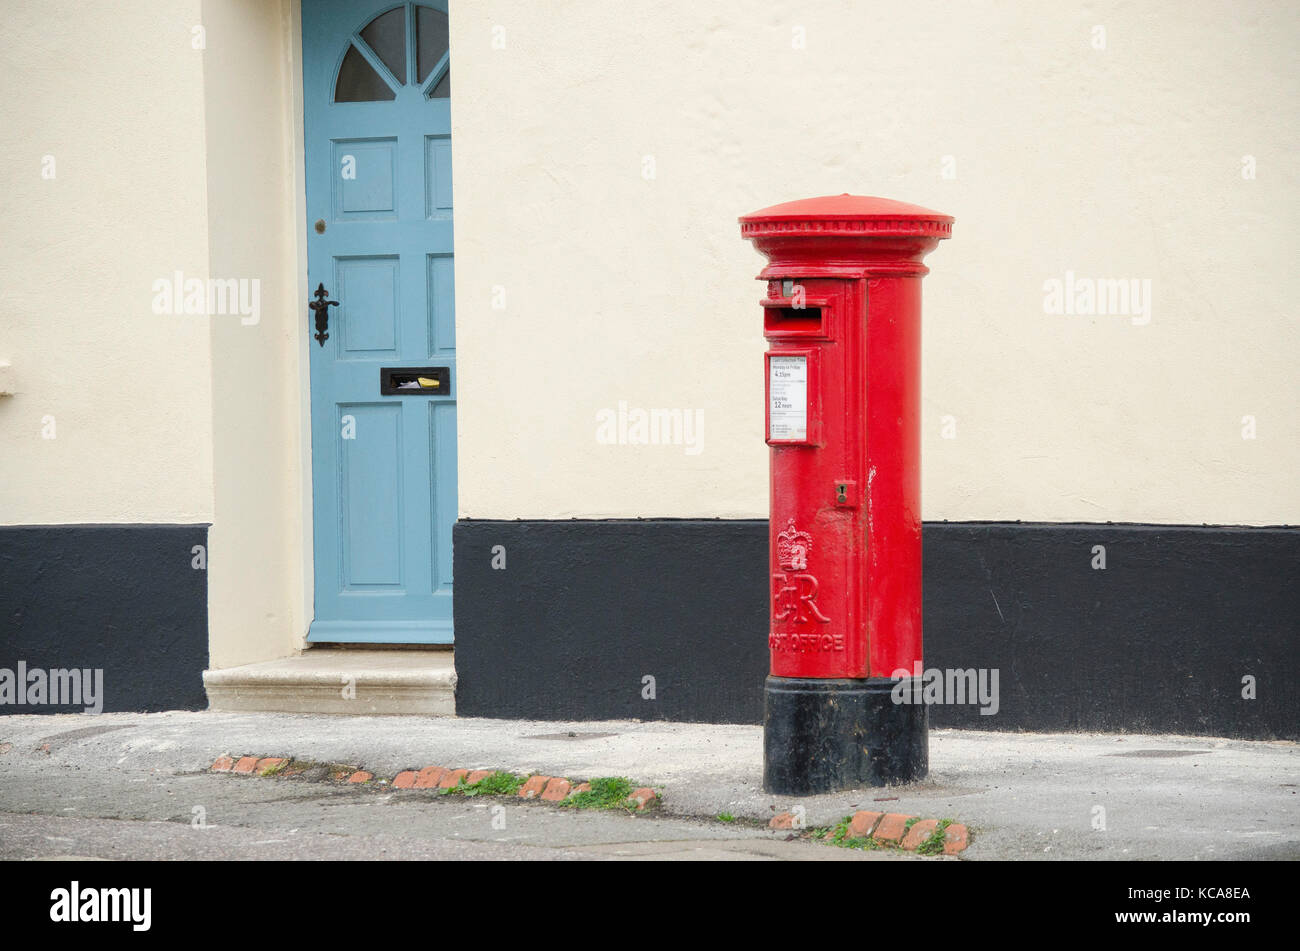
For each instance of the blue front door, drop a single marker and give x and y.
(377, 87)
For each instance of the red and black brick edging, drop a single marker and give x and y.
(536, 786)
(893, 830)
(873, 830)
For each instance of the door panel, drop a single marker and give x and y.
(379, 204)
(372, 194)
(370, 498)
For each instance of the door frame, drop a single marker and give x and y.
(295, 120)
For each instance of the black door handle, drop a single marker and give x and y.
(321, 305)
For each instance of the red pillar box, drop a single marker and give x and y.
(842, 317)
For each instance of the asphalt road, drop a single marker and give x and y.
(140, 815)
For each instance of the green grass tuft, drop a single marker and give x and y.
(497, 784)
(606, 792)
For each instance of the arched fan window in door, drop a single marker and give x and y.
(404, 46)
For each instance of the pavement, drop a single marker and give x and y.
(138, 786)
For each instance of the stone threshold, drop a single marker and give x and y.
(330, 680)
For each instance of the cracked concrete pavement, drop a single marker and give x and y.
(127, 786)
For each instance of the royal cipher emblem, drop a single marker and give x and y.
(792, 548)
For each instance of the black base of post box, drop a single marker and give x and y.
(822, 736)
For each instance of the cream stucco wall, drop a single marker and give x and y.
(258, 587)
(112, 94)
(581, 282)
(176, 135)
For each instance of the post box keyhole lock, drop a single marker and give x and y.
(846, 492)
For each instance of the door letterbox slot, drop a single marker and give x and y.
(415, 381)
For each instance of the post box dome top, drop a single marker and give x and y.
(856, 214)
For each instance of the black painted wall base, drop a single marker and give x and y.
(822, 736)
(1185, 630)
(606, 620)
(121, 599)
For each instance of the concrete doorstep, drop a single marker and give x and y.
(324, 680)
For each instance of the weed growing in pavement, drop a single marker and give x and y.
(496, 784)
(838, 835)
(933, 845)
(606, 792)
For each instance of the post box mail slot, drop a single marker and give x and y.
(800, 316)
(415, 381)
(792, 321)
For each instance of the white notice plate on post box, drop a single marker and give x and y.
(787, 398)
